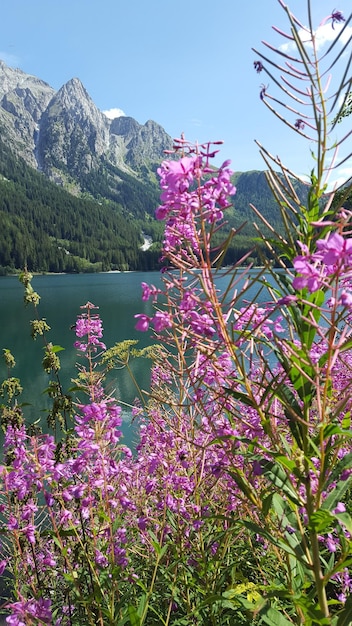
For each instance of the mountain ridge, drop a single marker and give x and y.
(108, 163)
(45, 127)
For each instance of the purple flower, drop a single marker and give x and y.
(336, 17)
(29, 532)
(160, 321)
(310, 276)
(340, 508)
(89, 325)
(299, 124)
(100, 559)
(258, 66)
(257, 468)
(262, 92)
(334, 249)
(202, 324)
(143, 322)
(148, 291)
(176, 176)
(25, 611)
(345, 582)
(287, 300)
(332, 543)
(346, 299)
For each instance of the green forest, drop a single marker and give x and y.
(46, 228)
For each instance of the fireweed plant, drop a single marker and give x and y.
(235, 506)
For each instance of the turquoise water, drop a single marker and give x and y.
(119, 299)
(118, 296)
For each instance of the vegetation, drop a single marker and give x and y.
(235, 507)
(98, 226)
(48, 229)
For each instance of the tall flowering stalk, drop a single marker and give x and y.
(61, 518)
(271, 382)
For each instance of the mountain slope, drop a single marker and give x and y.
(78, 191)
(48, 229)
(64, 134)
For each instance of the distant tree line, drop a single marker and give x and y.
(48, 229)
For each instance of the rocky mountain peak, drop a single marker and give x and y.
(23, 98)
(74, 133)
(73, 93)
(64, 134)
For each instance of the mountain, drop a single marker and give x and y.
(23, 99)
(78, 191)
(46, 228)
(63, 133)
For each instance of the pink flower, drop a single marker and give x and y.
(161, 320)
(340, 508)
(91, 326)
(332, 543)
(177, 175)
(310, 276)
(334, 249)
(149, 291)
(143, 322)
(346, 299)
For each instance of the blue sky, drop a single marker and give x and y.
(187, 64)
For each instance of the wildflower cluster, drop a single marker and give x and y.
(332, 260)
(234, 507)
(229, 388)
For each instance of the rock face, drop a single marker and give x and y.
(73, 133)
(63, 133)
(23, 99)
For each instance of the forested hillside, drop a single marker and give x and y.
(101, 228)
(48, 229)
(78, 191)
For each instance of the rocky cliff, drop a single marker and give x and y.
(63, 133)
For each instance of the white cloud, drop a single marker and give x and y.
(9, 59)
(324, 34)
(340, 177)
(112, 113)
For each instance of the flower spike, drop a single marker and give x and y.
(336, 17)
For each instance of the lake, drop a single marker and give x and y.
(118, 296)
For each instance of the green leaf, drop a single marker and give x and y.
(344, 464)
(56, 348)
(321, 521)
(299, 376)
(313, 611)
(335, 429)
(346, 421)
(278, 477)
(243, 397)
(135, 619)
(294, 551)
(244, 486)
(159, 550)
(285, 461)
(272, 617)
(345, 520)
(336, 495)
